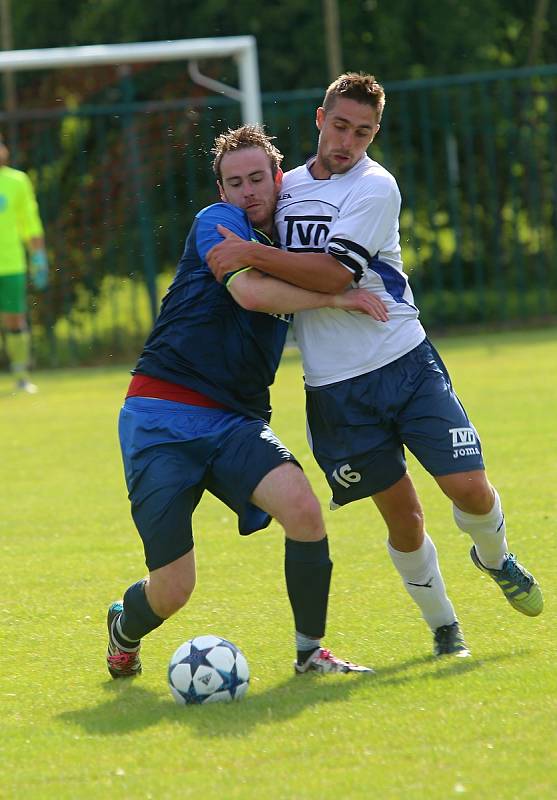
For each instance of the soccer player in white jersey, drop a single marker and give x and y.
(376, 387)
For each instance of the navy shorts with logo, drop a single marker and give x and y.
(358, 428)
(173, 452)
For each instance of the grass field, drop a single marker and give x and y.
(484, 727)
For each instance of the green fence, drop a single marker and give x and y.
(118, 185)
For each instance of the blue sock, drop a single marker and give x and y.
(308, 568)
(138, 618)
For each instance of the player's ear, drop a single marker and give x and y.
(221, 192)
(278, 177)
(319, 117)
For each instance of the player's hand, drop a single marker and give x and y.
(229, 255)
(228, 234)
(363, 301)
(39, 270)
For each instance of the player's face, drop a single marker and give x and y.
(4, 154)
(345, 132)
(247, 182)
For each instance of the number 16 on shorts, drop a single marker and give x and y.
(345, 475)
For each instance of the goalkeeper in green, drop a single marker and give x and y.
(21, 233)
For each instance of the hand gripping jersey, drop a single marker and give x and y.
(19, 219)
(353, 217)
(204, 340)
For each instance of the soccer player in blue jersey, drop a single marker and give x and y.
(196, 415)
(375, 387)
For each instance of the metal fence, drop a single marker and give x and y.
(119, 184)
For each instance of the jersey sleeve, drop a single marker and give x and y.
(29, 221)
(219, 214)
(366, 225)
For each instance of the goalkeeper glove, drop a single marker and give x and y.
(39, 269)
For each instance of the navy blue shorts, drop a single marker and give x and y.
(358, 428)
(173, 452)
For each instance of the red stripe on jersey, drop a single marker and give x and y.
(146, 386)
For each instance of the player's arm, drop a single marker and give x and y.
(255, 291)
(33, 236)
(318, 272)
(362, 229)
(38, 262)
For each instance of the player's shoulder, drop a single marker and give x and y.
(296, 172)
(295, 177)
(373, 179)
(232, 217)
(221, 212)
(370, 168)
(15, 176)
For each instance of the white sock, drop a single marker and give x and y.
(424, 583)
(487, 532)
(304, 642)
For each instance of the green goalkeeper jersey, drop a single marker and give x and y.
(19, 219)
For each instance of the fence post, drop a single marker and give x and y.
(144, 215)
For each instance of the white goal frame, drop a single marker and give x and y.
(242, 48)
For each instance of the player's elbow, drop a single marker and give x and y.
(337, 282)
(246, 297)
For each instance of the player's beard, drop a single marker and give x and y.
(262, 217)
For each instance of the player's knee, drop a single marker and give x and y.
(406, 526)
(303, 517)
(474, 497)
(416, 520)
(170, 598)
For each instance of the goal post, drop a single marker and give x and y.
(106, 171)
(242, 48)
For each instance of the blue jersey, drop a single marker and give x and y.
(202, 339)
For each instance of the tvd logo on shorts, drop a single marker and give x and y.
(464, 441)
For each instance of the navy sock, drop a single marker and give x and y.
(138, 618)
(308, 568)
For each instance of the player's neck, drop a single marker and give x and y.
(319, 171)
(267, 229)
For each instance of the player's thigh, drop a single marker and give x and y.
(249, 453)
(434, 425)
(13, 295)
(165, 449)
(402, 512)
(355, 445)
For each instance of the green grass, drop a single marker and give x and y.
(98, 327)
(482, 728)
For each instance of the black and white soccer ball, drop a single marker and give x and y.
(208, 669)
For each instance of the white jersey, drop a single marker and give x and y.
(353, 217)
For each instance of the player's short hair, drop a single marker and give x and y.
(358, 86)
(242, 138)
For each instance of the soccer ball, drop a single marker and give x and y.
(207, 669)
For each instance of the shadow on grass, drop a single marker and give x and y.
(437, 668)
(130, 707)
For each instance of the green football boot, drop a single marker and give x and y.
(519, 587)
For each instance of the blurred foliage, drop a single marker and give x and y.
(396, 40)
(121, 156)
